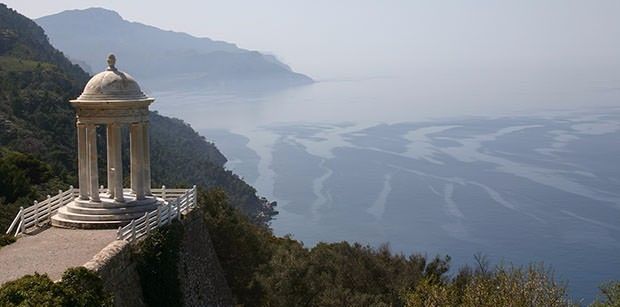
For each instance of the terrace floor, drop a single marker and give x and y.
(51, 251)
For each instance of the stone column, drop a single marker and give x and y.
(83, 164)
(91, 131)
(118, 163)
(111, 163)
(137, 160)
(147, 159)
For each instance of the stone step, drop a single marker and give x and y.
(64, 213)
(58, 221)
(78, 209)
(107, 202)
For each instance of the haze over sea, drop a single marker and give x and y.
(522, 168)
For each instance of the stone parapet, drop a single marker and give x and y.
(201, 277)
(118, 271)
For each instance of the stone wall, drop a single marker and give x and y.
(200, 275)
(116, 267)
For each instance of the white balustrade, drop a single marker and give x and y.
(181, 202)
(176, 203)
(38, 215)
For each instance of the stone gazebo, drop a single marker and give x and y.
(112, 99)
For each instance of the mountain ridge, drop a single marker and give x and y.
(37, 130)
(160, 57)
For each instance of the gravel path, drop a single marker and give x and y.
(52, 251)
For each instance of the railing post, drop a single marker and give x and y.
(36, 212)
(169, 219)
(148, 223)
(163, 192)
(133, 230)
(15, 222)
(194, 196)
(49, 205)
(178, 212)
(118, 233)
(21, 222)
(72, 191)
(158, 216)
(48, 212)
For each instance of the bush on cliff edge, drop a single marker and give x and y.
(78, 287)
(265, 270)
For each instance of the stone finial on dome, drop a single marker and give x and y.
(111, 62)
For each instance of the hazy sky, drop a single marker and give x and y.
(383, 38)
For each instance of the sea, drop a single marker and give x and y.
(522, 169)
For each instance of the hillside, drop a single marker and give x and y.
(37, 129)
(162, 58)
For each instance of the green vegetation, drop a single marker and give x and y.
(157, 259)
(6, 240)
(610, 295)
(22, 175)
(78, 287)
(515, 286)
(242, 247)
(265, 270)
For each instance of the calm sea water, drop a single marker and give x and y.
(522, 171)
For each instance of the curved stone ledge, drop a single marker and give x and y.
(115, 266)
(104, 214)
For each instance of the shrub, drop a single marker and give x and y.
(610, 295)
(31, 290)
(243, 248)
(6, 239)
(516, 286)
(83, 287)
(78, 287)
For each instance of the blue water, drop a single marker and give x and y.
(453, 171)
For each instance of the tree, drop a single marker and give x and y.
(610, 295)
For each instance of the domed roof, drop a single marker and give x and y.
(111, 85)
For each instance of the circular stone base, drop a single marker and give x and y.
(106, 213)
(107, 202)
